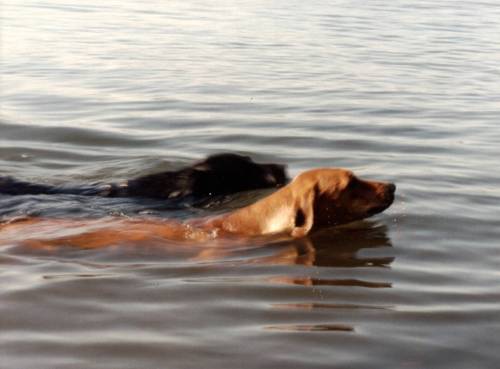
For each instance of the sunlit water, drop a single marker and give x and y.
(406, 91)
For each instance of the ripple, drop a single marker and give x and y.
(312, 328)
(400, 91)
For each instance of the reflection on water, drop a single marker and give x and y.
(240, 264)
(313, 328)
(334, 247)
(337, 248)
(311, 306)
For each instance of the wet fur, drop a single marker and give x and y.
(314, 200)
(218, 174)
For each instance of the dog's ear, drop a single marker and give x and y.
(304, 213)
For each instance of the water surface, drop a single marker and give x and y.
(405, 91)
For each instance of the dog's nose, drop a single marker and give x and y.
(391, 187)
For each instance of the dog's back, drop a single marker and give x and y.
(218, 174)
(12, 186)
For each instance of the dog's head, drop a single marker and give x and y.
(328, 197)
(230, 173)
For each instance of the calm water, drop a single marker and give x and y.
(406, 91)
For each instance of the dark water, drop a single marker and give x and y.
(406, 91)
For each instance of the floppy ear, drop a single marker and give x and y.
(304, 213)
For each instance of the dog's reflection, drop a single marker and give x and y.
(334, 247)
(338, 248)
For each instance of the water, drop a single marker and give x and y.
(405, 91)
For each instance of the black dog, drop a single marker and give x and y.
(218, 174)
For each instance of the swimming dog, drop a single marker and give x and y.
(315, 199)
(219, 174)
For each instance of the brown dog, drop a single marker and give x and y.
(314, 199)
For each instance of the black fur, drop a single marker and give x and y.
(218, 174)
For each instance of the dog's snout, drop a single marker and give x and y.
(391, 188)
(276, 174)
